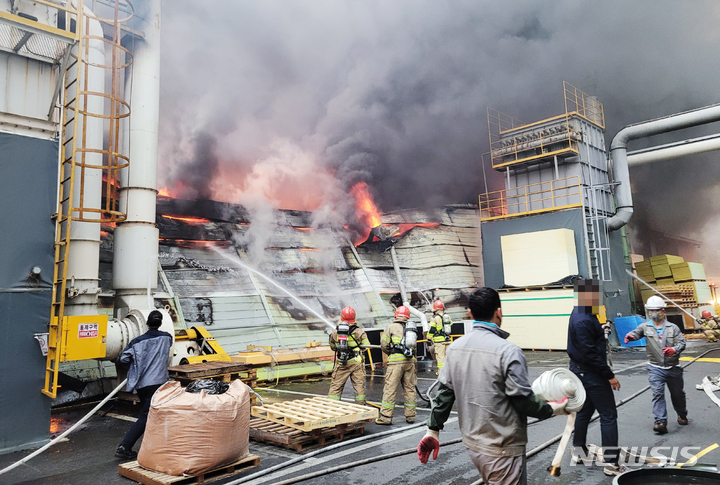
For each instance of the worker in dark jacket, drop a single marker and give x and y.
(487, 377)
(147, 356)
(588, 360)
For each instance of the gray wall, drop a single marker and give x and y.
(493, 230)
(616, 296)
(28, 181)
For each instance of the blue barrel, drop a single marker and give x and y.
(624, 325)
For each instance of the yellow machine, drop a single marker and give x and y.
(209, 349)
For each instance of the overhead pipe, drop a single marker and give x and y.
(403, 293)
(618, 152)
(674, 150)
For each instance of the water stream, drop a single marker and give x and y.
(238, 262)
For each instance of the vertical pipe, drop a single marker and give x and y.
(136, 239)
(84, 250)
(403, 293)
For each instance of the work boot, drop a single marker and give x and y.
(410, 420)
(683, 420)
(125, 454)
(613, 469)
(383, 422)
(660, 427)
(361, 403)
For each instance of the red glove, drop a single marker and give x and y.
(427, 444)
(668, 351)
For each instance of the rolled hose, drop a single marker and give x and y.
(556, 384)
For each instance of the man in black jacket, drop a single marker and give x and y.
(588, 360)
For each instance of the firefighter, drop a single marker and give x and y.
(398, 342)
(348, 341)
(710, 324)
(439, 332)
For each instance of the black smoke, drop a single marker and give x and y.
(395, 93)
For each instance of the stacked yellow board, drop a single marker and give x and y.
(681, 281)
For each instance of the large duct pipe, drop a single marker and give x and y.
(618, 152)
(121, 331)
(403, 293)
(136, 239)
(84, 249)
(674, 150)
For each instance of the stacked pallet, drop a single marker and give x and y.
(314, 421)
(681, 281)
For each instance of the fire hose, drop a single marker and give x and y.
(408, 451)
(556, 385)
(66, 432)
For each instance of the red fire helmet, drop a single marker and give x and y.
(348, 314)
(402, 311)
(438, 306)
(706, 314)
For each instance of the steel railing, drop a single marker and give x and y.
(530, 199)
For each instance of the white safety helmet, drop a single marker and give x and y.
(655, 303)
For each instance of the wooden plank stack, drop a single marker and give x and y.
(284, 436)
(313, 413)
(681, 281)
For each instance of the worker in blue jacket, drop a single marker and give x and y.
(147, 356)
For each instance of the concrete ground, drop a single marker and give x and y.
(87, 455)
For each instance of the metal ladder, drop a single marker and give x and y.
(595, 212)
(73, 149)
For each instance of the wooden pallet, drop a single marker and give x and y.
(314, 413)
(222, 371)
(135, 472)
(280, 435)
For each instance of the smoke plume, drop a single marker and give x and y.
(306, 98)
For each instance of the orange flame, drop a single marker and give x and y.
(164, 192)
(193, 220)
(365, 209)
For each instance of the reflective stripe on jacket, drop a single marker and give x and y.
(437, 330)
(357, 341)
(391, 337)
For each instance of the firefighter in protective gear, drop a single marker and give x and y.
(348, 341)
(711, 325)
(439, 333)
(400, 368)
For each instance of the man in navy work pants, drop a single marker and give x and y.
(147, 356)
(588, 360)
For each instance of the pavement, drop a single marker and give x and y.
(87, 455)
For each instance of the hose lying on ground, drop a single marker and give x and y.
(408, 451)
(67, 431)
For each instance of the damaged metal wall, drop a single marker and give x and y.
(200, 261)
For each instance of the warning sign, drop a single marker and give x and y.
(88, 330)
